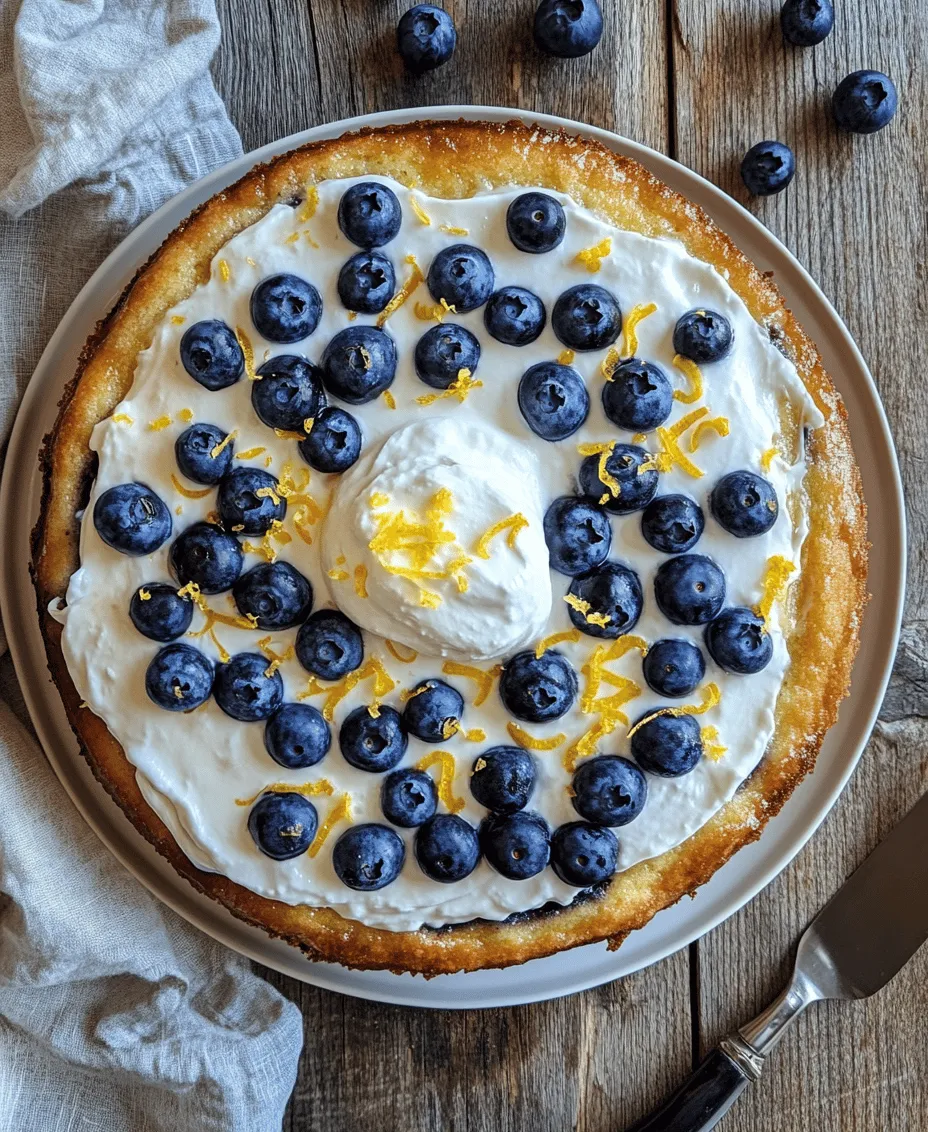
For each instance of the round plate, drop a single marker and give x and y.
(540, 979)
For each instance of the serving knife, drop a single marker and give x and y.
(866, 933)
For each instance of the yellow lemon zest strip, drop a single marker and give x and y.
(289, 434)
(339, 575)
(483, 680)
(185, 415)
(248, 353)
(394, 650)
(624, 644)
(189, 493)
(600, 619)
(123, 418)
(629, 332)
(410, 693)
(159, 424)
(475, 735)
(389, 399)
(565, 357)
(250, 261)
(639, 438)
(693, 375)
(144, 595)
(773, 586)
(276, 659)
(307, 789)
(592, 257)
(608, 365)
(711, 697)
(445, 760)
(529, 742)
(452, 230)
(765, 461)
(360, 580)
(225, 274)
(250, 453)
(604, 451)
(461, 387)
(577, 603)
(555, 639)
(341, 811)
(378, 499)
(420, 212)
(713, 750)
(512, 523)
(335, 693)
(218, 449)
(192, 590)
(308, 210)
(415, 278)
(178, 319)
(671, 453)
(718, 425)
(292, 238)
(427, 313)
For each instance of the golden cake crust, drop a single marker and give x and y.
(459, 159)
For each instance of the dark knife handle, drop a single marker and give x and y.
(702, 1101)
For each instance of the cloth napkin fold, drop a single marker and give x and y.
(115, 1015)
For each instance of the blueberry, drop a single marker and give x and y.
(514, 316)
(161, 615)
(443, 351)
(208, 556)
(536, 223)
(702, 336)
(673, 667)
(369, 214)
(275, 594)
(408, 797)
(334, 441)
(285, 308)
(611, 589)
(624, 464)
(578, 534)
(359, 364)
(368, 857)
(210, 353)
(667, 745)
(193, 451)
(248, 501)
(290, 390)
(517, 845)
(744, 503)
(767, 168)
(425, 38)
(366, 282)
(806, 22)
(447, 848)
(609, 790)
(639, 397)
(568, 28)
(297, 736)
(690, 589)
(370, 743)
(583, 854)
(329, 645)
(553, 400)
(433, 713)
(738, 641)
(132, 519)
(179, 678)
(672, 524)
(283, 825)
(503, 779)
(536, 688)
(462, 275)
(587, 317)
(244, 690)
(864, 102)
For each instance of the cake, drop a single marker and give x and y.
(452, 549)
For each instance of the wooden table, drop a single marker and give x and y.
(701, 80)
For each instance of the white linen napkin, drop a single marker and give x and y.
(115, 1015)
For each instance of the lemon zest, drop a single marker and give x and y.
(712, 750)
(565, 357)
(604, 451)
(250, 261)
(178, 319)
(159, 424)
(379, 499)
(555, 639)
(192, 590)
(671, 453)
(410, 693)
(341, 811)
(389, 400)
(450, 727)
(217, 449)
(394, 650)
(512, 523)
(461, 387)
(711, 697)
(608, 365)
(483, 680)
(225, 273)
(275, 659)
(637, 314)
(339, 575)
(453, 230)
(475, 735)
(415, 278)
(765, 461)
(445, 760)
(773, 586)
(639, 438)
(248, 354)
(529, 742)
(360, 580)
(310, 204)
(592, 257)
(425, 312)
(123, 418)
(250, 453)
(189, 493)
(420, 212)
(144, 595)
(289, 434)
(307, 789)
(624, 644)
(292, 238)
(335, 693)
(185, 415)
(694, 375)
(577, 603)
(718, 425)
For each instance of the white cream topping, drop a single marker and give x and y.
(192, 768)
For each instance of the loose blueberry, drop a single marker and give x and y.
(359, 364)
(447, 848)
(518, 845)
(208, 556)
(408, 797)
(179, 678)
(568, 28)
(247, 501)
(210, 353)
(738, 641)
(462, 275)
(503, 778)
(370, 743)
(745, 504)
(283, 825)
(132, 519)
(366, 283)
(865, 102)
(587, 317)
(285, 308)
(584, 854)
(553, 400)
(806, 22)
(578, 534)
(674, 667)
(690, 589)
(275, 594)
(161, 615)
(536, 223)
(425, 38)
(538, 688)
(702, 336)
(639, 397)
(611, 589)
(329, 645)
(672, 524)
(193, 451)
(290, 390)
(297, 736)
(369, 214)
(767, 168)
(609, 790)
(433, 712)
(244, 690)
(514, 316)
(334, 441)
(368, 857)
(624, 464)
(667, 745)
(443, 351)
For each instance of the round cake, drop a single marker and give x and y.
(452, 549)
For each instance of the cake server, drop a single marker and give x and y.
(866, 933)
